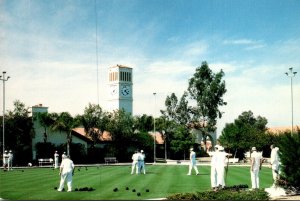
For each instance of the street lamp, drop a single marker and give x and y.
(3, 78)
(291, 74)
(154, 141)
(165, 140)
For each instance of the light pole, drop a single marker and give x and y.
(291, 74)
(4, 79)
(154, 141)
(165, 140)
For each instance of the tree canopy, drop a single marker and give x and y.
(245, 132)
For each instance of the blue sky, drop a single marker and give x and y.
(49, 50)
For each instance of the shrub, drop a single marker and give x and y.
(227, 194)
(289, 154)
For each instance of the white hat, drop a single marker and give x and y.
(217, 146)
(191, 149)
(253, 149)
(5, 151)
(10, 151)
(220, 148)
(142, 151)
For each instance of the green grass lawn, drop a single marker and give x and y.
(161, 180)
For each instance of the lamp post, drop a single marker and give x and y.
(154, 141)
(4, 79)
(291, 74)
(165, 140)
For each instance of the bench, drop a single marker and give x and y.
(45, 161)
(110, 160)
(233, 160)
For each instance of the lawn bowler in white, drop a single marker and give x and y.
(256, 162)
(220, 163)
(66, 172)
(274, 163)
(142, 162)
(10, 159)
(5, 160)
(135, 162)
(213, 168)
(193, 162)
(56, 158)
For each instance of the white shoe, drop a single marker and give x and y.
(189, 174)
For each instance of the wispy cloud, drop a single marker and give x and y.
(247, 43)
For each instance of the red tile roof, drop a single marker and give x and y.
(104, 137)
(159, 138)
(280, 129)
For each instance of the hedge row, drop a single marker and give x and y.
(224, 194)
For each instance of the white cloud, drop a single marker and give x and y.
(248, 43)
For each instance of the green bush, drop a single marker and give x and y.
(289, 154)
(228, 194)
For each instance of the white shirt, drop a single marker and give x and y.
(193, 156)
(10, 156)
(56, 155)
(274, 156)
(136, 157)
(256, 158)
(67, 165)
(213, 161)
(221, 159)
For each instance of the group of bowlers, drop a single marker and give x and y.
(138, 162)
(7, 160)
(219, 161)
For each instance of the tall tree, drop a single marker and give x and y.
(206, 89)
(121, 130)
(175, 122)
(94, 121)
(178, 111)
(19, 133)
(143, 123)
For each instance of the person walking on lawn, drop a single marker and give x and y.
(193, 162)
(66, 173)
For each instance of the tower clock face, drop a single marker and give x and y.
(125, 90)
(113, 90)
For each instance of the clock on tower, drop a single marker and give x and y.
(120, 88)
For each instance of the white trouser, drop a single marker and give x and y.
(191, 166)
(66, 177)
(213, 176)
(275, 172)
(55, 164)
(255, 178)
(9, 164)
(220, 176)
(136, 166)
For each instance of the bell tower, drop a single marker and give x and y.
(120, 88)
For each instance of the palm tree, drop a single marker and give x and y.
(46, 121)
(64, 122)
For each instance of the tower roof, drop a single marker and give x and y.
(120, 66)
